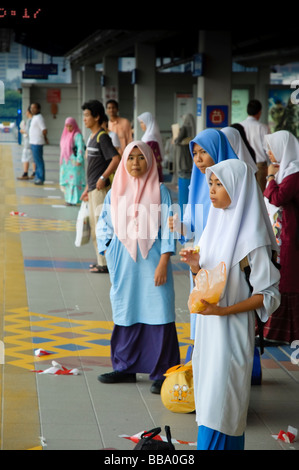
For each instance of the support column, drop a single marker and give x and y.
(214, 86)
(261, 91)
(88, 83)
(90, 89)
(145, 84)
(26, 98)
(110, 84)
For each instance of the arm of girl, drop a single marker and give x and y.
(161, 270)
(191, 257)
(252, 303)
(175, 225)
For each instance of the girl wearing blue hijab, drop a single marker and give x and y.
(208, 148)
(217, 146)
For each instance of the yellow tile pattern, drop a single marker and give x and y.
(22, 331)
(17, 224)
(19, 424)
(55, 334)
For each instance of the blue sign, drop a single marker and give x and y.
(217, 116)
(40, 71)
(197, 65)
(199, 107)
(46, 69)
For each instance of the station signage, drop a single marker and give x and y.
(40, 71)
(217, 116)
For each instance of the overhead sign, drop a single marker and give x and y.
(40, 71)
(50, 69)
(217, 116)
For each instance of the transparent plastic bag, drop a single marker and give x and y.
(82, 225)
(209, 285)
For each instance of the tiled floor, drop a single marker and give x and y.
(49, 300)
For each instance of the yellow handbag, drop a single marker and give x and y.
(177, 392)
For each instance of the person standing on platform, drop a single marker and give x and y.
(113, 136)
(238, 146)
(72, 168)
(237, 228)
(27, 152)
(133, 233)
(241, 129)
(255, 133)
(121, 126)
(183, 159)
(102, 162)
(210, 146)
(282, 194)
(37, 139)
(152, 137)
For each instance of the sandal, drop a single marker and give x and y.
(99, 269)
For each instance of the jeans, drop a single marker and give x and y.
(37, 152)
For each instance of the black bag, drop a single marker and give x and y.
(147, 441)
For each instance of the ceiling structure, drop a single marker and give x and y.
(85, 35)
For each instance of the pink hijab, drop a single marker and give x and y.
(67, 139)
(135, 203)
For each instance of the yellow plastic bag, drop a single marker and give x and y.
(177, 392)
(209, 285)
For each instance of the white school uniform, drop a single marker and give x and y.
(224, 345)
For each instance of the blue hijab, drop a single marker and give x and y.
(218, 147)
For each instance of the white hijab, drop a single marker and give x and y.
(232, 233)
(285, 148)
(152, 132)
(239, 147)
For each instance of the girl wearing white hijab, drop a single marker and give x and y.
(222, 360)
(152, 137)
(239, 146)
(282, 198)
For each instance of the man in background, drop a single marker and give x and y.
(37, 139)
(102, 161)
(121, 126)
(255, 133)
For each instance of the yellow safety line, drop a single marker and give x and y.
(20, 422)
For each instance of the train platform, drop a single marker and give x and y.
(54, 309)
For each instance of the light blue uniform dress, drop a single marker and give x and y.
(134, 297)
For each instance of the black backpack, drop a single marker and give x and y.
(147, 441)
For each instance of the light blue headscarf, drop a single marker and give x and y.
(218, 147)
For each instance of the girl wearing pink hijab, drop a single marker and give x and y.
(72, 172)
(133, 233)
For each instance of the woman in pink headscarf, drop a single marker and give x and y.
(72, 172)
(133, 233)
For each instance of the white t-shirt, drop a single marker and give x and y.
(115, 140)
(255, 132)
(37, 127)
